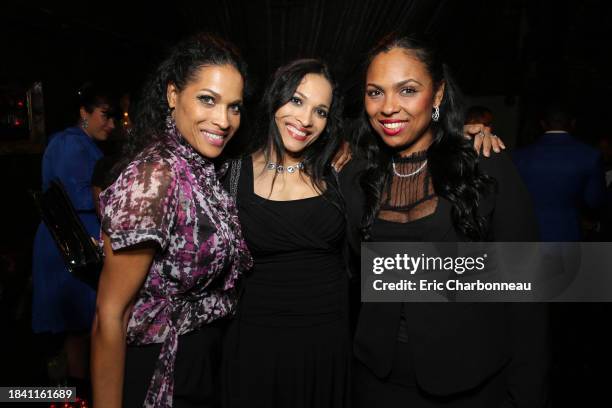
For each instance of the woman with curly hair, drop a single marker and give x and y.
(419, 179)
(171, 238)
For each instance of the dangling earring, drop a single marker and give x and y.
(435, 115)
(169, 118)
(84, 123)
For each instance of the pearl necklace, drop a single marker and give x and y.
(280, 169)
(417, 171)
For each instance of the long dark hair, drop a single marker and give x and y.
(451, 158)
(179, 68)
(317, 157)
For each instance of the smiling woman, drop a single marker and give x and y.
(172, 243)
(420, 180)
(289, 345)
(400, 100)
(302, 120)
(207, 110)
(298, 127)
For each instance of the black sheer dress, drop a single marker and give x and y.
(446, 354)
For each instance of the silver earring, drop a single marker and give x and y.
(169, 118)
(85, 124)
(435, 115)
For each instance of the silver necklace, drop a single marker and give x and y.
(417, 171)
(290, 169)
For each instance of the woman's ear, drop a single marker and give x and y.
(439, 94)
(171, 95)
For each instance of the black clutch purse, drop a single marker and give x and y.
(82, 257)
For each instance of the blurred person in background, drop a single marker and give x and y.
(605, 146)
(103, 174)
(61, 303)
(479, 114)
(564, 176)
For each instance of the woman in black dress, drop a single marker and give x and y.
(289, 343)
(420, 180)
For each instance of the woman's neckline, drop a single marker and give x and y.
(425, 219)
(415, 157)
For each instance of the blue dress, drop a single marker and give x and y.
(61, 302)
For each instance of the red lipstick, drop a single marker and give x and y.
(392, 127)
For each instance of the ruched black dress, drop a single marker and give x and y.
(289, 343)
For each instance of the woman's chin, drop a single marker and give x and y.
(293, 150)
(395, 142)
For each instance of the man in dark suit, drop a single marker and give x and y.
(563, 175)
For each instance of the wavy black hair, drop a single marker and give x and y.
(179, 68)
(317, 157)
(451, 158)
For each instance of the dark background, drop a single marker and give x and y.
(517, 48)
(520, 51)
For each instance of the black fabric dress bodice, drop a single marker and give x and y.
(296, 247)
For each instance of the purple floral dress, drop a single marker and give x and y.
(170, 195)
